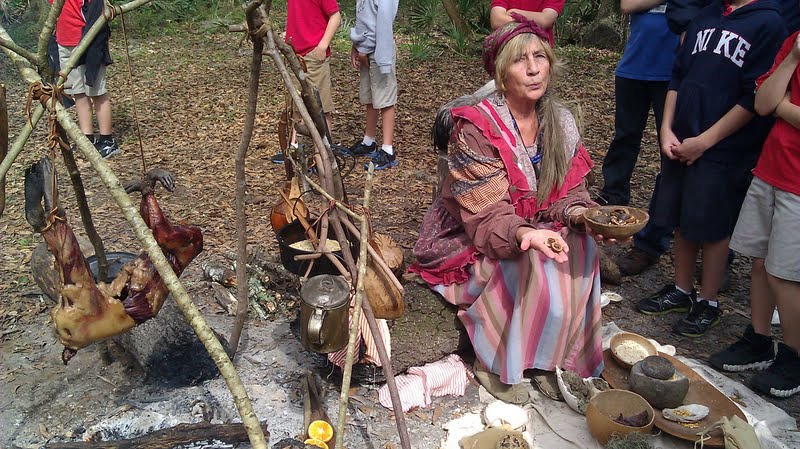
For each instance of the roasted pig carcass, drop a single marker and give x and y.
(87, 312)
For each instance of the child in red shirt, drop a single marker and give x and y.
(86, 83)
(768, 230)
(543, 12)
(310, 27)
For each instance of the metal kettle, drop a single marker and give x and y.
(324, 313)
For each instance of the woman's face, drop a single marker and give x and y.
(528, 75)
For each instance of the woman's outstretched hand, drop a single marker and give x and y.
(547, 242)
(600, 239)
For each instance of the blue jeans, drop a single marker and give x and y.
(633, 100)
(653, 238)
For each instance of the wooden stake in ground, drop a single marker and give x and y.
(242, 291)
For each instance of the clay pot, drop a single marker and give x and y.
(607, 405)
(657, 380)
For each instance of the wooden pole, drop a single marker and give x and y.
(242, 289)
(356, 318)
(145, 237)
(3, 143)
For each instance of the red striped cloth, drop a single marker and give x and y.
(339, 357)
(449, 376)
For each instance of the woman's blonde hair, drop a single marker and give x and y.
(554, 159)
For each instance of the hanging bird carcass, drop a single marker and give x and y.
(86, 311)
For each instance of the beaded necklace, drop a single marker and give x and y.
(536, 158)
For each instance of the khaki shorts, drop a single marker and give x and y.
(76, 80)
(376, 88)
(318, 73)
(768, 228)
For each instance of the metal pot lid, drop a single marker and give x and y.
(325, 291)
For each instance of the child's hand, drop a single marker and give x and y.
(796, 48)
(668, 143)
(691, 149)
(357, 59)
(320, 52)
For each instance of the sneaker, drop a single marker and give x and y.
(701, 318)
(278, 158)
(359, 149)
(752, 351)
(635, 261)
(668, 299)
(782, 378)
(107, 148)
(382, 160)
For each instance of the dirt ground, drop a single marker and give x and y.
(190, 97)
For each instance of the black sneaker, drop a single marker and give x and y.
(668, 299)
(382, 160)
(701, 318)
(278, 158)
(359, 149)
(782, 378)
(752, 351)
(107, 148)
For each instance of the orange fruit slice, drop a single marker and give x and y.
(316, 442)
(320, 430)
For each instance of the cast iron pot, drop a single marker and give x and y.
(293, 233)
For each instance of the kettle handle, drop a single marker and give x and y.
(315, 326)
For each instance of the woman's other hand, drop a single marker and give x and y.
(544, 241)
(600, 239)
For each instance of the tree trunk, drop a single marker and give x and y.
(452, 12)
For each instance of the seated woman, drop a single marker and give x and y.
(505, 239)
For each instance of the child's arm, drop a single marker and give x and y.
(789, 111)
(330, 30)
(668, 139)
(545, 19)
(692, 148)
(773, 89)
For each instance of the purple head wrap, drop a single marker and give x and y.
(494, 42)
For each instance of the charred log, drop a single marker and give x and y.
(182, 435)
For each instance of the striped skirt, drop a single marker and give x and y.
(532, 312)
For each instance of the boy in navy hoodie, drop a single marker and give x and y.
(711, 141)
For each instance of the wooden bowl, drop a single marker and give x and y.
(622, 337)
(607, 405)
(611, 231)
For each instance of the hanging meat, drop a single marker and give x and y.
(87, 312)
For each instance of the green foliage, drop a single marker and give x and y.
(476, 13)
(421, 48)
(23, 19)
(575, 16)
(463, 44)
(166, 16)
(426, 15)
